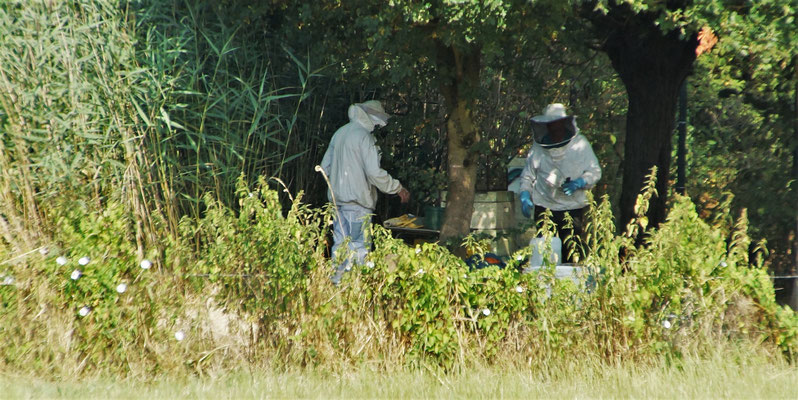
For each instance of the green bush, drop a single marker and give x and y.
(261, 259)
(685, 289)
(87, 301)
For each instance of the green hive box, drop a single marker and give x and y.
(433, 217)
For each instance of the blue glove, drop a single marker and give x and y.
(570, 186)
(526, 204)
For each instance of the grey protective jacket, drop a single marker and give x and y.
(352, 162)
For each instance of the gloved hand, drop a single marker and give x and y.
(571, 186)
(526, 204)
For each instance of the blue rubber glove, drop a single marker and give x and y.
(526, 204)
(571, 186)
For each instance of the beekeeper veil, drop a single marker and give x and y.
(554, 128)
(376, 113)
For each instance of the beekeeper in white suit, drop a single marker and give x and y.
(352, 163)
(560, 167)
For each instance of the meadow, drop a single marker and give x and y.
(161, 235)
(734, 374)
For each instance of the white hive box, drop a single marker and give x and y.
(492, 210)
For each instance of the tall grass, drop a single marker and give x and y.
(223, 113)
(161, 99)
(251, 287)
(118, 119)
(65, 69)
(731, 373)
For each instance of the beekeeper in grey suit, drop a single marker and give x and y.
(352, 164)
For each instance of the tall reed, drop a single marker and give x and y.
(163, 100)
(226, 111)
(67, 70)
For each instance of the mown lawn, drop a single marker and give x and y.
(728, 375)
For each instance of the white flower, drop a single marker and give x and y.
(370, 264)
(666, 324)
(465, 276)
(76, 274)
(84, 311)
(8, 280)
(519, 289)
(519, 258)
(251, 195)
(61, 260)
(44, 251)
(121, 288)
(420, 271)
(485, 311)
(179, 335)
(418, 250)
(723, 264)
(84, 260)
(146, 264)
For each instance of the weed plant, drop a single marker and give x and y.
(255, 289)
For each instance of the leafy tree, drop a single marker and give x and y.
(652, 45)
(745, 127)
(443, 42)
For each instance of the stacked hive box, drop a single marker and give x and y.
(494, 215)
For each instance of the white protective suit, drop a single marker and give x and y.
(352, 163)
(547, 169)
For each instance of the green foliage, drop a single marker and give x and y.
(260, 259)
(685, 290)
(66, 71)
(86, 298)
(747, 24)
(128, 129)
(164, 98)
(741, 141)
(223, 106)
(415, 288)
(103, 242)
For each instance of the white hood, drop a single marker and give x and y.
(358, 115)
(352, 163)
(547, 169)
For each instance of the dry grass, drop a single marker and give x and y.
(727, 373)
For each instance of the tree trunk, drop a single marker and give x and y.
(459, 72)
(652, 66)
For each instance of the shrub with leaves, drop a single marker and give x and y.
(88, 300)
(261, 258)
(685, 289)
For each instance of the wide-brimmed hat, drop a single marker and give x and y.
(553, 112)
(374, 107)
